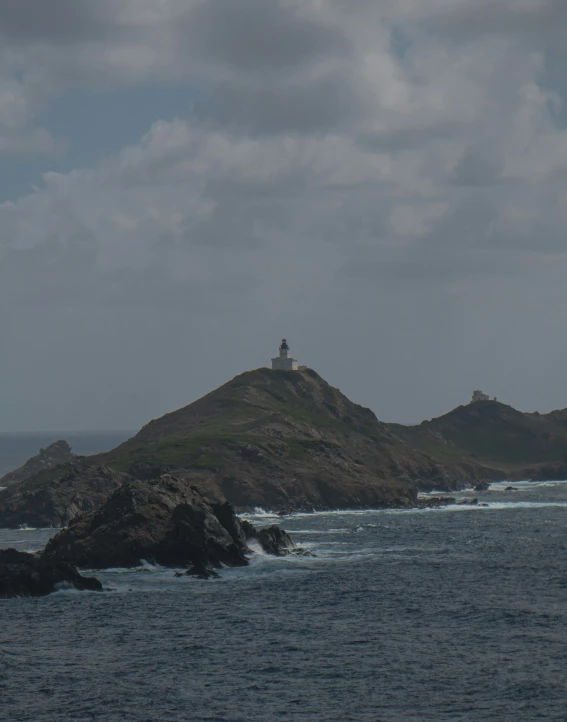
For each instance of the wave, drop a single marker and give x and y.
(525, 485)
(259, 513)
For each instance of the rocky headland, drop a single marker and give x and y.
(285, 440)
(288, 441)
(282, 440)
(52, 456)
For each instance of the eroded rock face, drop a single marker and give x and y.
(30, 575)
(166, 521)
(44, 501)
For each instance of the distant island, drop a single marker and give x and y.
(284, 439)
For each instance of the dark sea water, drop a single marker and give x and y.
(449, 614)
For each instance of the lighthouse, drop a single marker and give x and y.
(284, 362)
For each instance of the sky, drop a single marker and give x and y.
(185, 182)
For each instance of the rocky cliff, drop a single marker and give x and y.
(54, 455)
(54, 497)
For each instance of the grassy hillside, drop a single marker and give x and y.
(494, 435)
(282, 438)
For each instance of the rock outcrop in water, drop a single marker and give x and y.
(32, 575)
(54, 455)
(165, 521)
(55, 497)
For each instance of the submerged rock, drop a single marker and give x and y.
(433, 502)
(165, 521)
(31, 575)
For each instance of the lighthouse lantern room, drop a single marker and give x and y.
(284, 362)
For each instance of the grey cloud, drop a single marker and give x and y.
(55, 20)
(320, 106)
(479, 165)
(536, 20)
(411, 136)
(255, 36)
(425, 266)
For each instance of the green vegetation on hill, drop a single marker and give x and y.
(494, 435)
(278, 438)
(288, 440)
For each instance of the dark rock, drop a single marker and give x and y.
(44, 501)
(201, 572)
(470, 502)
(225, 514)
(272, 539)
(31, 575)
(252, 453)
(275, 540)
(165, 521)
(511, 488)
(147, 470)
(433, 502)
(482, 486)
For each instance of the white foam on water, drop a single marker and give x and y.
(524, 485)
(255, 547)
(320, 531)
(150, 567)
(259, 513)
(525, 504)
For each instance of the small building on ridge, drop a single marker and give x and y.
(285, 362)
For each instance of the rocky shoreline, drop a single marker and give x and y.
(430, 502)
(164, 521)
(32, 575)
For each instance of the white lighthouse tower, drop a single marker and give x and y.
(284, 362)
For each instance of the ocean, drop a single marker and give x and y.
(453, 614)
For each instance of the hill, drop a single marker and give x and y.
(495, 436)
(282, 439)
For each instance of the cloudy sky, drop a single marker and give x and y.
(184, 182)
